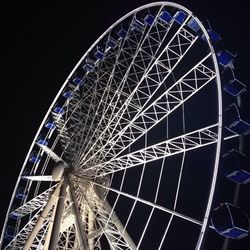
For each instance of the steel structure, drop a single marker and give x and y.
(127, 127)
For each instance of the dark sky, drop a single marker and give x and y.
(44, 42)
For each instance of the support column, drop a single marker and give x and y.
(81, 233)
(48, 235)
(90, 228)
(58, 217)
(42, 218)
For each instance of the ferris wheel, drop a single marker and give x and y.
(128, 154)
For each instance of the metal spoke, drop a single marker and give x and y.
(34, 204)
(151, 204)
(160, 109)
(161, 58)
(190, 141)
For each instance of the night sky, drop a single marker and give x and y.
(44, 42)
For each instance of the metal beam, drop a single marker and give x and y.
(81, 233)
(119, 224)
(48, 235)
(113, 218)
(58, 217)
(151, 204)
(167, 102)
(33, 204)
(190, 141)
(146, 70)
(42, 218)
(91, 227)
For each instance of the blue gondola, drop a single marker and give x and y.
(77, 81)
(234, 87)
(9, 233)
(42, 141)
(122, 33)
(165, 17)
(21, 193)
(99, 54)
(34, 158)
(235, 167)
(234, 122)
(137, 25)
(89, 65)
(59, 110)
(230, 221)
(111, 43)
(50, 125)
(149, 19)
(192, 24)
(14, 214)
(68, 95)
(225, 58)
(180, 17)
(26, 171)
(214, 36)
